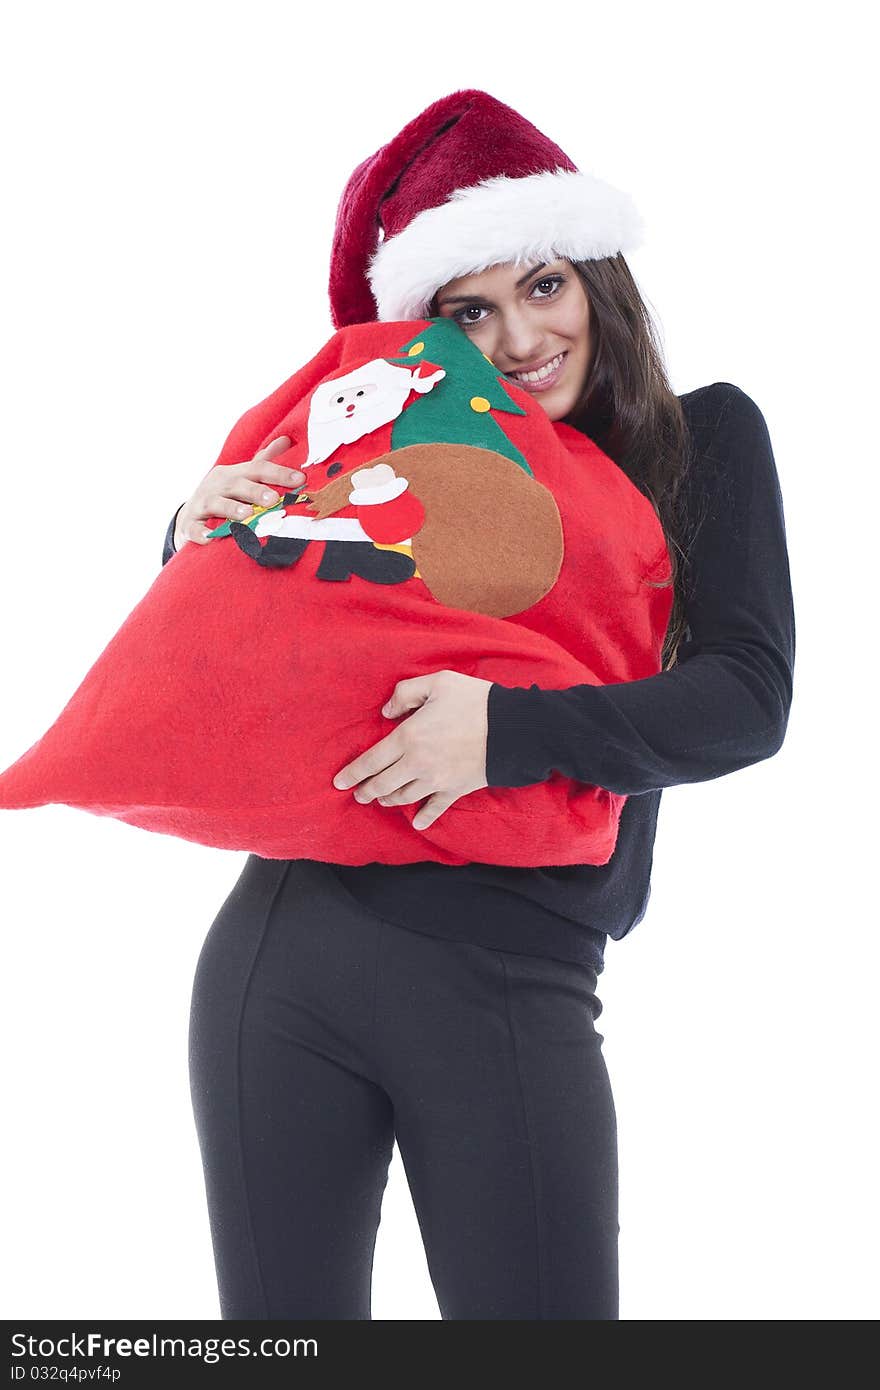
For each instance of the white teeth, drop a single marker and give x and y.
(542, 373)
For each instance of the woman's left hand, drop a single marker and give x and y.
(438, 753)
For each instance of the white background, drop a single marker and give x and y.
(171, 175)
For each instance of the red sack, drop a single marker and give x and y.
(445, 523)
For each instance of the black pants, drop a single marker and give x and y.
(320, 1033)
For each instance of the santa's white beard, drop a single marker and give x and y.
(325, 436)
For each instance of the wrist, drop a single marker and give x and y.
(515, 727)
(178, 539)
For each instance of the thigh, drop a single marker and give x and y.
(506, 1125)
(296, 1135)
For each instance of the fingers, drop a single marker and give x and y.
(406, 795)
(382, 755)
(242, 493)
(262, 482)
(277, 446)
(189, 528)
(432, 810)
(276, 472)
(232, 491)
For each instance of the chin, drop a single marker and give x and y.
(557, 409)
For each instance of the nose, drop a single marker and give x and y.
(349, 409)
(520, 342)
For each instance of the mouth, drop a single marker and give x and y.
(544, 377)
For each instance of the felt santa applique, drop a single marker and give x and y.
(444, 496)
(370, 537)
(342, 411)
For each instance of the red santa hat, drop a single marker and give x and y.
(468, 184)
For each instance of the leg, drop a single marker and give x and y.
(279, 552)
(342, 559)
(506, 1126)
(296, 1137)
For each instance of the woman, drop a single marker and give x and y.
(336, 1008)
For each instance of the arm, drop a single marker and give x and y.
(725, 704)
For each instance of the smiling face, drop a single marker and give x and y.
(534, 324)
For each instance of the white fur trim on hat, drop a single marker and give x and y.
(555, 214)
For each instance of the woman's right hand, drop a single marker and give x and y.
(232, 490)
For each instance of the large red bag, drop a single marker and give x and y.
(445, 523)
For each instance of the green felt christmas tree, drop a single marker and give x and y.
(459, 410)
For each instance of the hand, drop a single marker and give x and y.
(232, 490)
(438, 753)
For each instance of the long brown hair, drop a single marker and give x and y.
(629, 409)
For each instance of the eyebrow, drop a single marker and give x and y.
(470, 298)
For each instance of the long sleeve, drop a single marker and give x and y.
(725, 703)
(168, 549)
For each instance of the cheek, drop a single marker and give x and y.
(578, 330)
(571, 325)
(580, 356)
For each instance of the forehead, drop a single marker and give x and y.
(498, 278)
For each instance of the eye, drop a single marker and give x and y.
(554, 281)
(468, 309)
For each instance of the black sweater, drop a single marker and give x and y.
(723, 705)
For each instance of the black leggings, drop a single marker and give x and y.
(320, 1033)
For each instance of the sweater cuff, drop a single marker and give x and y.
(168, 549)
(518, 748)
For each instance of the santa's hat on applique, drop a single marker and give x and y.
(468, 184)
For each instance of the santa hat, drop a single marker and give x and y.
(468, 184)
